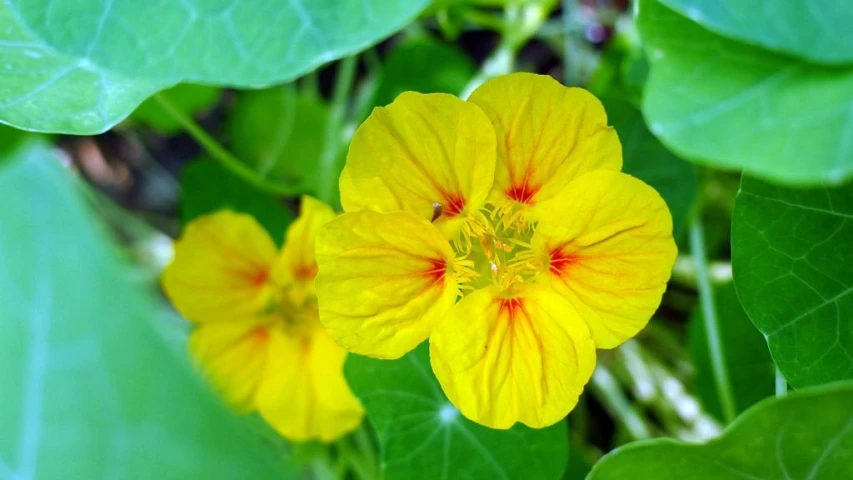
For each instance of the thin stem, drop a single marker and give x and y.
(781, 384)
(329, 168)
(568, 18)
(712, 326)
(218, 152)
(617, 404)
(521, 22)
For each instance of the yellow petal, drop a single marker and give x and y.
(220, 269)
(233, 356)
(609, 249)
(432, 155)
(385, 279)
(547, 134)
(506, 360)
(297, 265)
(304, 395)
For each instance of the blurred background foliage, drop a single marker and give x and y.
(739, 112)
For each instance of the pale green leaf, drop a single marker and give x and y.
(805, 435)
(90, 390)
(791, 255)
(816, 31)
(730, 105)
(80, 66)
(424, 437)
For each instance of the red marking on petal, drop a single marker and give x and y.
(437, 269)
(523, 192)
(512, 307)
(261, 334)
(256, 278)
(453, 204)
(560, 261)
(305, 272)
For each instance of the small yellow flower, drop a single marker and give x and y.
(257, 335)
(501, 229)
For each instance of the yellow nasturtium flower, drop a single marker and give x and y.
(501, 229)
(258, 335)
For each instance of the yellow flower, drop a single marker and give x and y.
(501, 229)
(258, 335)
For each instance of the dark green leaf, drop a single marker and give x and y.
(207, 187)
(80, 66)
(90, 390)
(648, 160)
(281, 134)
(188, 98)
(424, 437)
(816, 31)
(730, 105)
(425, 66)
(791, 254)
(805, 435)
(751, 370)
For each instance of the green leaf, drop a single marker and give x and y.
(424, 437)
(85, 75)
(425, 66)
(46, 90)
(730, 105)
(648, 160)
(280, 132)
(791, 255)
(206, 187)
(90, 390)
(186, 97)
(752, 372)
(807, 434)
(816, 31)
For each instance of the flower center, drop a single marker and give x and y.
(495, 243)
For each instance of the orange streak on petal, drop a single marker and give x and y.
(437, 270)
(561, 261)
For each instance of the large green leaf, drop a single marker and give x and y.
(206, 186)
(281, 134)
(648, 160)
(90, 390)
(751, 371)
(727, 104)
(805, 435)
(46, 90)
(791, 254)
(90, 62)
(425, 66)
(424, 437)
(817, 31)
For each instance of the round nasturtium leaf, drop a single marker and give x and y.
(804, 435)
(815, 31)
(720, 102)
(91, 389)
(280, 132)
(424, 437)
(791, 255)
(80, 66)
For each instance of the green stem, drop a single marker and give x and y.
(521, 22)
(329, 168)
(617, 404)
(781, 384)
(218, 152)
(712, 327)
